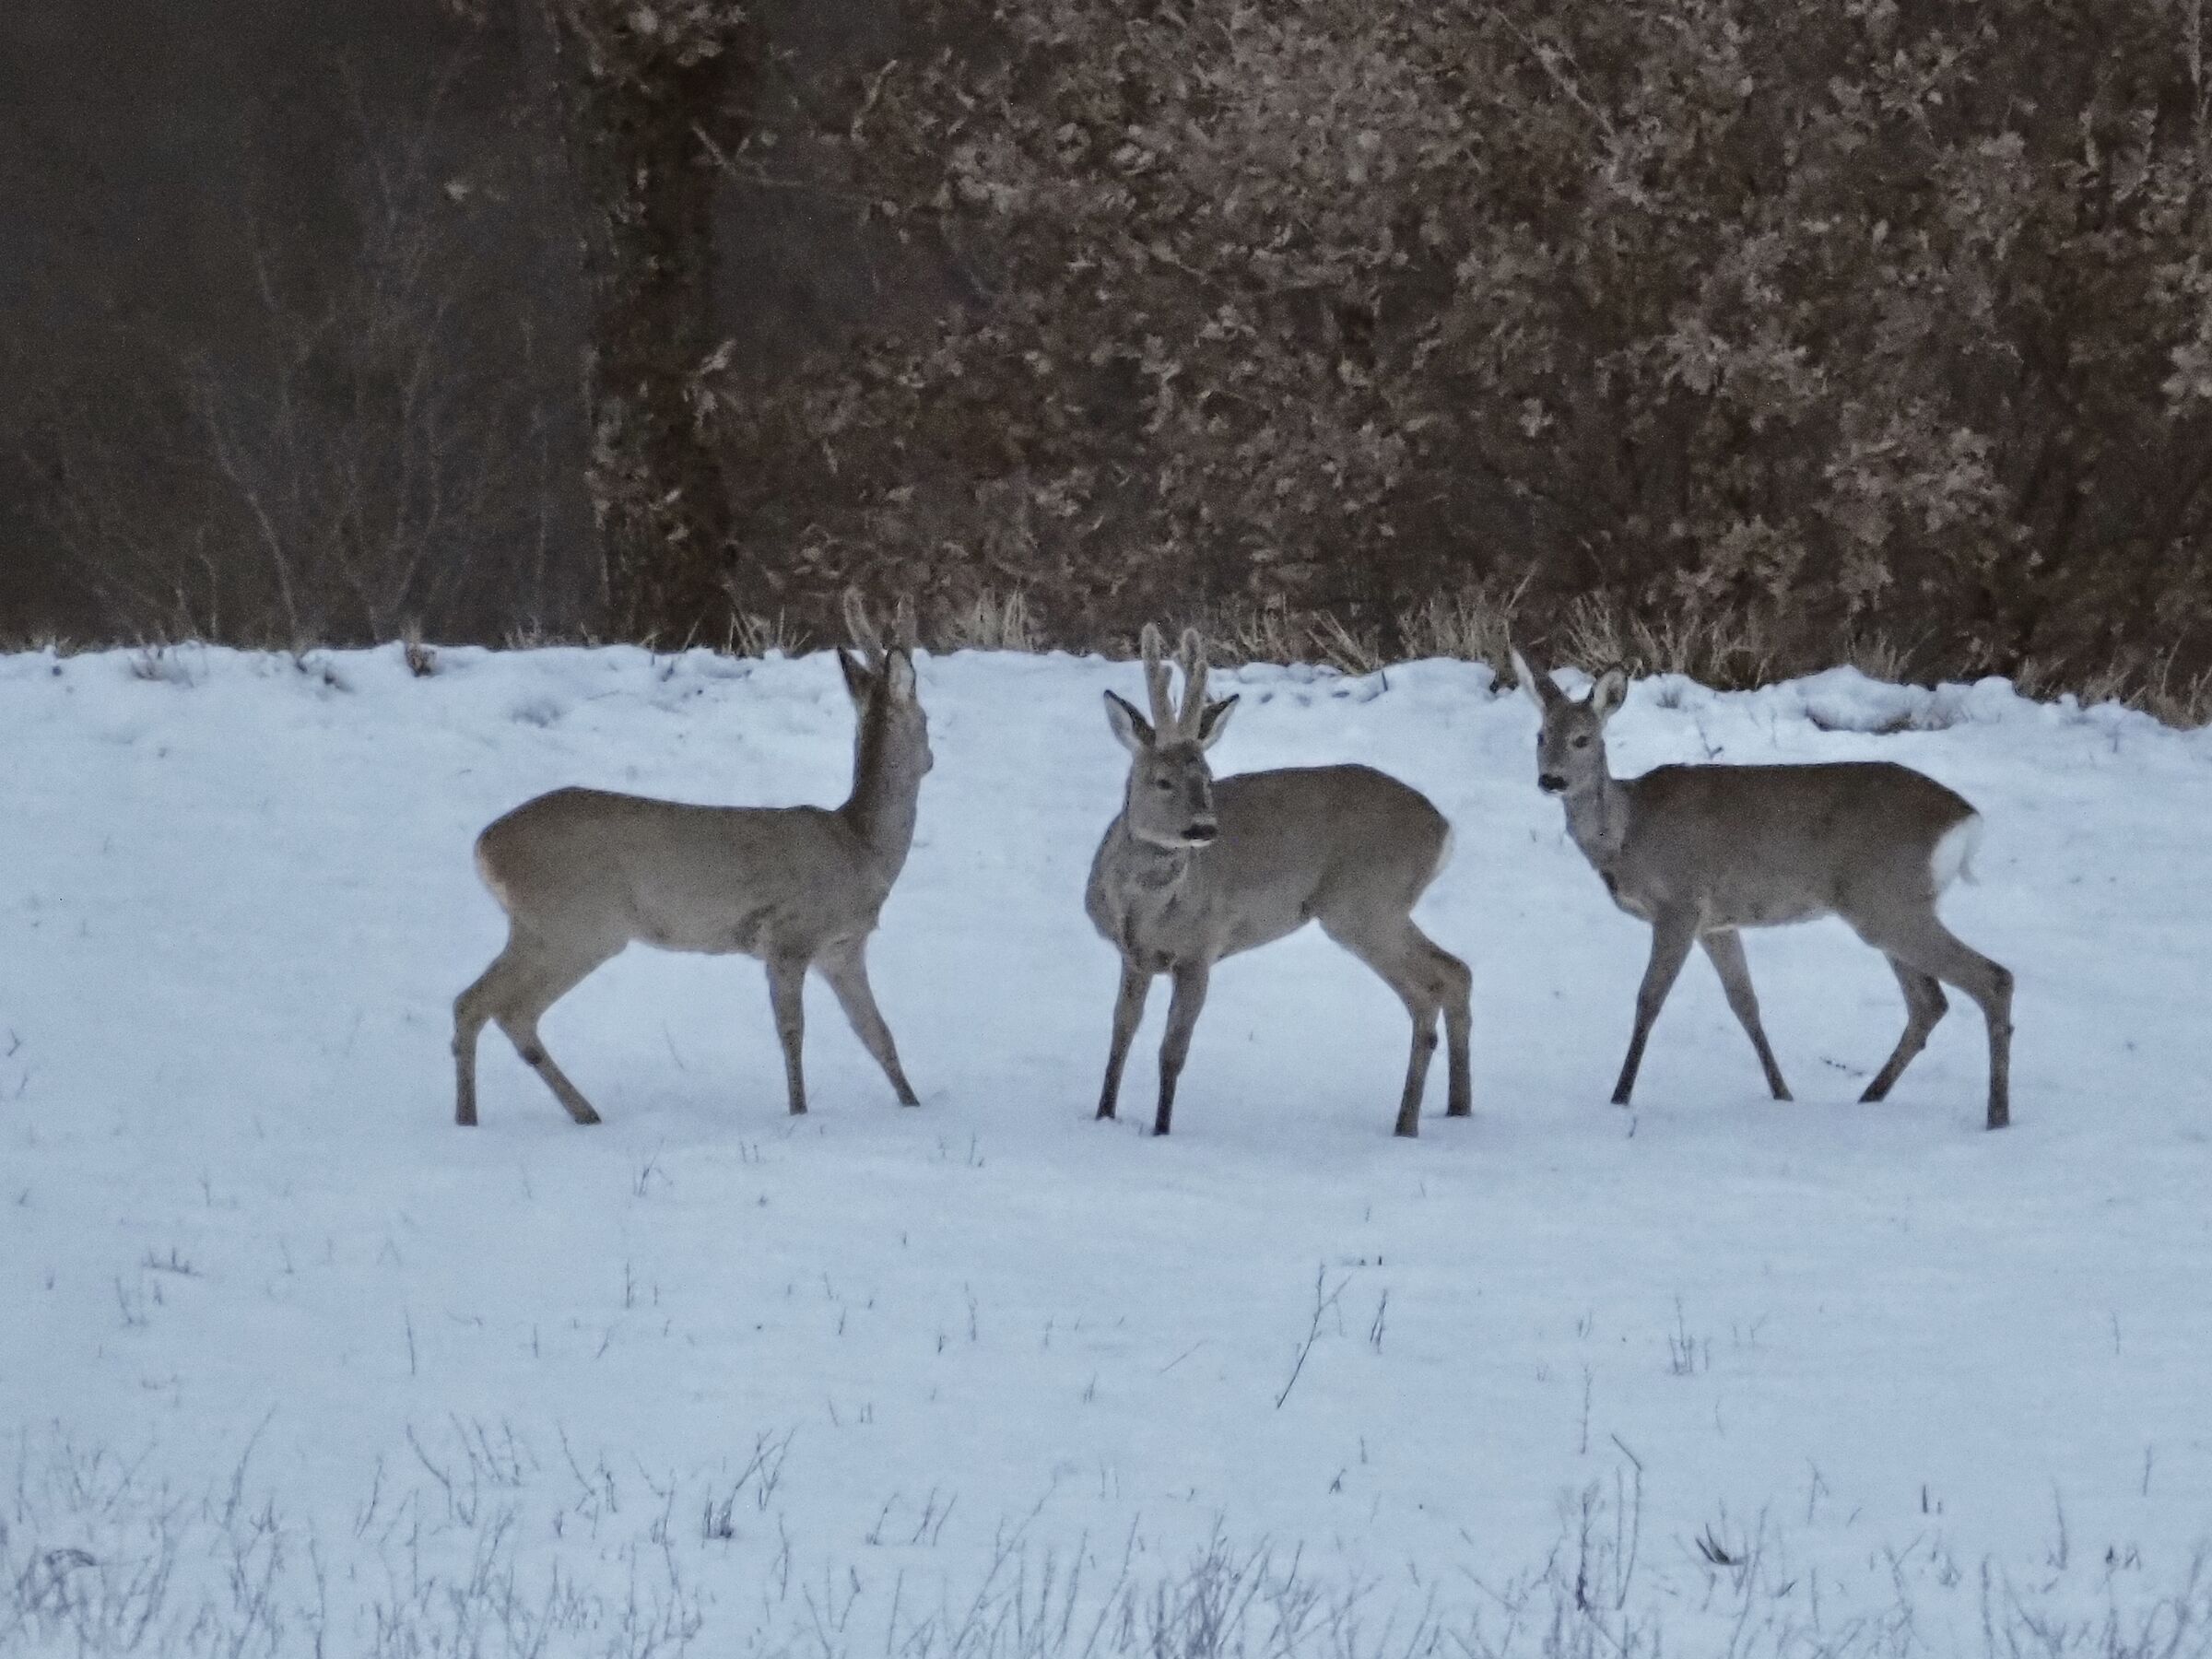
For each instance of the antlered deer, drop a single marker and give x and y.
(1700, 851)
(1194, 870)
(583, 874)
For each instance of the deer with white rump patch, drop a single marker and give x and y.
(583, 874)
(1194, 870)
(1700, 851)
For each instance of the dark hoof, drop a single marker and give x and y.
(587, 1118)
(2000, 1120)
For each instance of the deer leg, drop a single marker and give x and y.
(787, 1000)
(548, 987)
(1190, 979)
(524, 1035)
(522, 981)
(1922, 942)
(847, 971)
(1924, 1004)
(1456, 985)
(1427, 979)
(1417, 1070)
(472, 1008)
(1727, 950)
(1128, 1013)
(1671, 937)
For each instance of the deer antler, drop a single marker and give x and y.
(862, 630)
(1155, 682)
(1193, 681)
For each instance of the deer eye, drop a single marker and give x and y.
(1582, 740)
(1163, 785)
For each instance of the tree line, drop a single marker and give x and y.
(1742, 338)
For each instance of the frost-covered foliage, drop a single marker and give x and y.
(1834, 319)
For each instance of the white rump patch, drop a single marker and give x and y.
(489, 880)
(1954, 855)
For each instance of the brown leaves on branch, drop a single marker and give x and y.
(1830, 319)
(631, 41)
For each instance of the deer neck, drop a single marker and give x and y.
(886, 798)
(1597, 816)
(1148, 866)
(1140, 881)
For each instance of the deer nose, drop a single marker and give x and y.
(1199, 833)
(1551, 783)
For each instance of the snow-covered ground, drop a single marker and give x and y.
(289, 1364)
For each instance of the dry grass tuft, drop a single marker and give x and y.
(990, 621)
(1271, 632)
(1473, 625)
(420, 657)
(2155, 684)
(1723, 652)
(539, 636)
(161, 663)
(754, 636)
(1879, 657)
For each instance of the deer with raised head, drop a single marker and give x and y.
(1194, 869)
(1702, 852)
(583, 873)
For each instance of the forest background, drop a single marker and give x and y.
(1727, 337)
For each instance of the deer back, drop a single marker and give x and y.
(609, 868)
(591, 865)
(1753, 845)
(1334, 842)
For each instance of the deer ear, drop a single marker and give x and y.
(1131, 727)
(1215, 721)
(899, 675)
(1540, 689)
(857, 678)
(1607, 695)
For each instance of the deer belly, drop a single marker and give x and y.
(712, 930)
(1255, 931)
(1727, 910)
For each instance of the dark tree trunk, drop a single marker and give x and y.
(654, 98)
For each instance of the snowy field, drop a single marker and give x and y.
(290, 1365)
